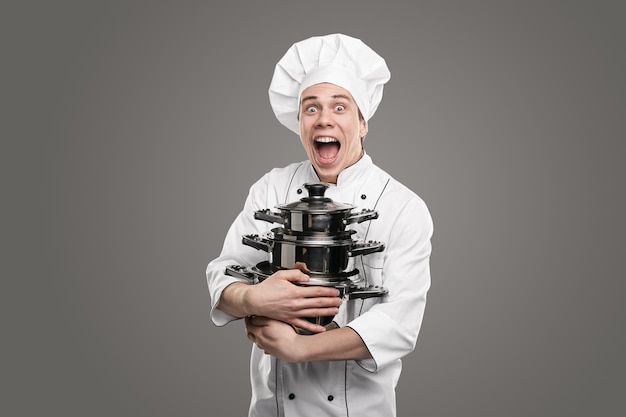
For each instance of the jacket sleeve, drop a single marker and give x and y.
(390, 328)
(234, 252)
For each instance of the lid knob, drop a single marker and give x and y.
(316, 190)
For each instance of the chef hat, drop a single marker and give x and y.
(337, 59)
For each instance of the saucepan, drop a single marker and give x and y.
(317, 254)
(315, 213)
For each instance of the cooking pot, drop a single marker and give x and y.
(315, 213)
(321, 254)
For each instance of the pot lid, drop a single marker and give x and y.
(316, 202)
(311, 238)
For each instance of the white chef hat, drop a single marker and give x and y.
(337, 59)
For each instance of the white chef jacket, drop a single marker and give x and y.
(388, 325)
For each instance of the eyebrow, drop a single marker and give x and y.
(336, 96)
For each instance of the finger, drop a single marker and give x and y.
(301, 266)
(307, 325)
(252, 337)
(292, 275)
(323, 304)
(316, 312)
(251, 328)
(318, 291)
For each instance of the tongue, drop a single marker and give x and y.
(328, 150)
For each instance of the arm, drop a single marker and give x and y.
(280, 340)
(390, 328)
(277, 297)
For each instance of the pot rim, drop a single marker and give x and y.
(312, 235)
(310, 241)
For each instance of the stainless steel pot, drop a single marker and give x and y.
(312, 253)
(315, 213)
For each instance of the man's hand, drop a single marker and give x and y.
(281, 341)
(274, 338)
(279, 298)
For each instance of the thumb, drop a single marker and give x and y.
(292, 275)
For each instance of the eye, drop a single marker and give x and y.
(340, 107)
(311, 109)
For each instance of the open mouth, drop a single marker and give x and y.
(327, 148)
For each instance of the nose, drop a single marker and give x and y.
(324, 118)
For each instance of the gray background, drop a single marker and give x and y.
(131, 133)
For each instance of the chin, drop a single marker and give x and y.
(327, 176)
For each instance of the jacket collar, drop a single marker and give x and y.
(351, 174)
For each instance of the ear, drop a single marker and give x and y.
(363, 130)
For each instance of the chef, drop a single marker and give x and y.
(325, 89)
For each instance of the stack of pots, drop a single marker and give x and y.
(313, 237)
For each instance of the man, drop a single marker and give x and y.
(326, 89)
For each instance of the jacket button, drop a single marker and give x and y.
(363, 196)
(292, 396)
(299, 190)
(330, 398)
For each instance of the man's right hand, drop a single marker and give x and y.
(279, 297)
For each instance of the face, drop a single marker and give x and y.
(330, 129)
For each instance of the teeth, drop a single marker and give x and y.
(325, 140)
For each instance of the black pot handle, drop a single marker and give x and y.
(239, 271)
(361, 217)
(269, 216)
(366, 248)
(256, 242)
(367, 292)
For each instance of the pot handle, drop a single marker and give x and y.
(367, 292)
(239, 271)
(269, 216)
(361, 217)
(256, 242)
(366, 248)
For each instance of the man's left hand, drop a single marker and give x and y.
(275, 338)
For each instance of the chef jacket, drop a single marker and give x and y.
(388, 325)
